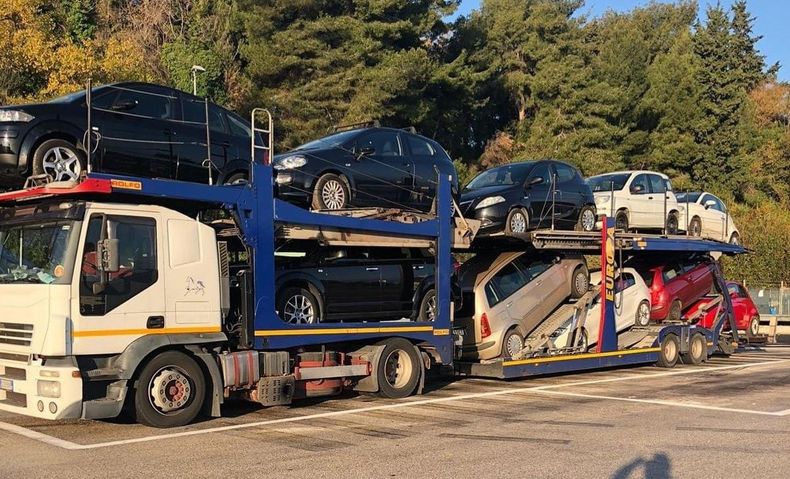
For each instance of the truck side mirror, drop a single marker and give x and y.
(107, 252)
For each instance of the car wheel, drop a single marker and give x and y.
(735, 239)
(580, 282)
(754, 327)
(170, 391)
(695, 227)
(59, 159)
(239, 178)
(643, 314)
(298, 306)
(512, 343)
(331, 193)
(398, 370)
(675, 310)
(668, 353)
(517, 221)
(583, 343)
(587, 219)
(672, 224)
(621, 221)
(698, 350)
(428, 306)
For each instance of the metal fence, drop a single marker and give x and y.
(770, 298)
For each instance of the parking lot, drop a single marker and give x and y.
(730, 416)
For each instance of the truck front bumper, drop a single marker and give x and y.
(43, 388)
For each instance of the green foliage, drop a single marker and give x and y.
(80, 19)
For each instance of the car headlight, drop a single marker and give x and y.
(602, 200)
(490, 201)
(15, 116)
(290, 162)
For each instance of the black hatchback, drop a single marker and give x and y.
(141, 130)
(364, 167)
(519, 197)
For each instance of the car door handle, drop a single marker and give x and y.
(168, 131)
(155, 322)
(509, 304)
(418, 267)
(371, 269)
(649, 197)
(225, 144)
(538, 282)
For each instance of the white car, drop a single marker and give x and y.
(632, 307)
(707, 217)
(637, 200)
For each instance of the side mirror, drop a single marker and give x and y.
(535, 181)
(124, 105)
(709, 203)
(637, 189)
(366, 151)
(107, 252)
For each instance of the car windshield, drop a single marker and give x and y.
(508, 175)
(688, 197)
(606, 182)
(330, 141)
(37, 253)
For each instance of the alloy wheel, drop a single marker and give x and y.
(514, 345)
(518, 222)
(61, 164)
(643, 314)
(431, 308)
(333, 195)
(299, 310)
(588, 220)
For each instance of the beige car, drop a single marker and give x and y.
(507, 295)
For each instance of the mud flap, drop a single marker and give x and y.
(371, 354)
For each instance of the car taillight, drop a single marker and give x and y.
(485, 328)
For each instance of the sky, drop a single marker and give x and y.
(772, 20)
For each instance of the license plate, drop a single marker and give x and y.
(6, 384)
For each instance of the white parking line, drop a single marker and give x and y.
(404, 404)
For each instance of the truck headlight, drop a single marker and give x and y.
(48, 389)
(290, 162)
(15, 116)
(490, 201)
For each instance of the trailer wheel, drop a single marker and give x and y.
(643, 314)
(668, 356)
(698, 350)
(170, 391)
(580, 282)
(398, 369)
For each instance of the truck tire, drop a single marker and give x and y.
(170, 391)
(698, 350)
(668, 355)
(398, 369)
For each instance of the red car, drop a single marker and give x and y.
(747, 318)
(677, 285)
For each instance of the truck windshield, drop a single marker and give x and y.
(37, 252)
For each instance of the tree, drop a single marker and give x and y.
(747, 59)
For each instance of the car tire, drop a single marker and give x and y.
(580, 282)
(238, 178)
(735, 239)
(59, 159)
(668, 353)
(517, 221)
(169, 391)
(428, 306)
(587, 219)
(298, 306)
(398, 369)
(331, 192)
(675, 311)
(621, 221)
(754, 327)
(583, 343)
(672, 224)
(698, 350)
(512, 343)
(695, 227)
(642, 314)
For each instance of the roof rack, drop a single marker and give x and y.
(354, 126)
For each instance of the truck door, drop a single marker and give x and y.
(111, 309)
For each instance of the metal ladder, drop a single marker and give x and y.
(258, 115)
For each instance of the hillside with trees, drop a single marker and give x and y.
(658, 87)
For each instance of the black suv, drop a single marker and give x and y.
(145, 130)
(317, 284)
(363, 167)
(517, 197)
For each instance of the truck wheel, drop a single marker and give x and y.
(580, 282)
(675, 310)
(668, 356)
(170, 391)
(398, 369)
(643, 314)
(698, 350)
(428, 306)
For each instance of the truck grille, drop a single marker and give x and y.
(16, 334)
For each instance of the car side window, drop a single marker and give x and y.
(237, 127)
(105, 99)
(149, 105)
(671, 272)
(194, 110)
(640, 181)
(657, 184)
(384, 143)
(625, 281)
(216, 120)
(542, 171)
(507, 281)
(719, 205)
(534, 269)
(418, 146)
(102, 292)
(564, 172)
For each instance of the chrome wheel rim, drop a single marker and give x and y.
(518, 223)
(514, 345)
(333, 195)
(581, 282)
(643, 314)
(61, 164)
(588, 220)
(398, 368)
(299, 310)
(430, 308)
(169, 390)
